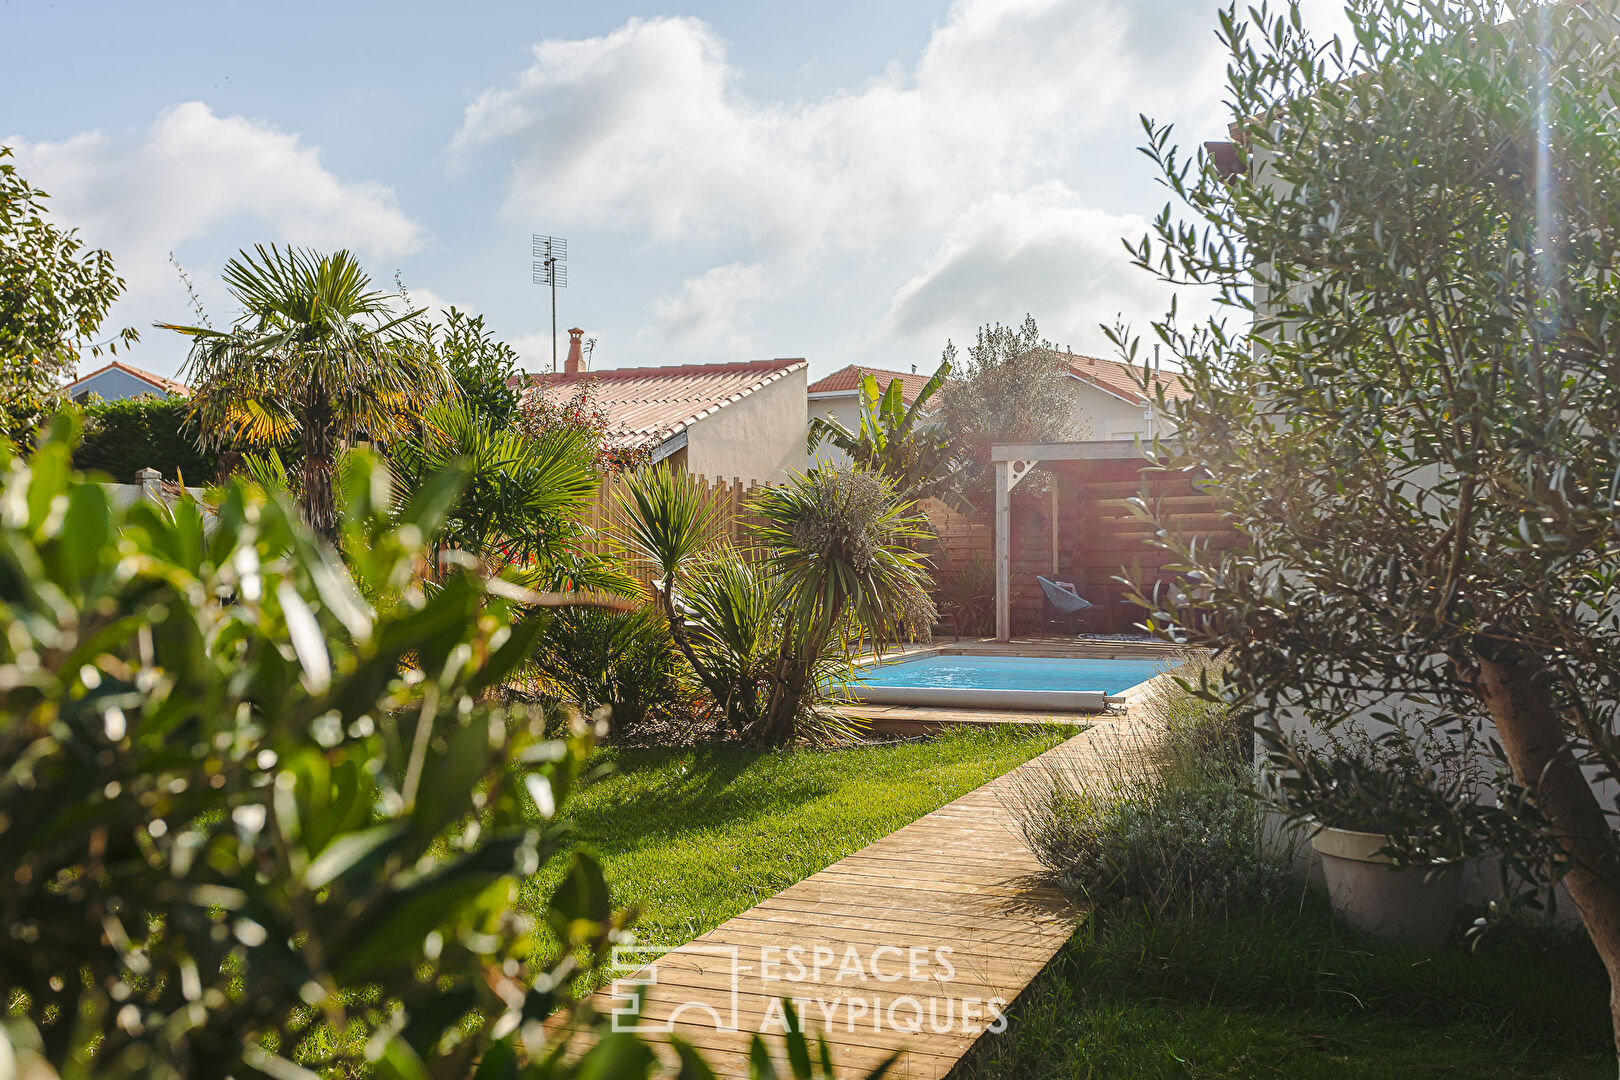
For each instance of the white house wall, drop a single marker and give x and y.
(846, 409)
(1103, 416)
(758, 437)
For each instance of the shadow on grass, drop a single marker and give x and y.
(1284, 992)
(711, 788)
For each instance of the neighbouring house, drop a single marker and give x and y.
(117, 380)
(738, 420)
(1111, 405)
(839, 396)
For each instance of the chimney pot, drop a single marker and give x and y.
(576, 360)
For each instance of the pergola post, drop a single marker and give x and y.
(1004, 550)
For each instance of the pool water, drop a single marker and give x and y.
(1015, 673)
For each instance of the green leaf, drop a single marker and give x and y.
(499, 1062)
(617, 1056)
(760, 1065)
(692, 1065)
(344, 853)
(582, 895)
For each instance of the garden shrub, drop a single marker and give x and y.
(1170, 823)
(123, 437)
(832, 573)
(624, 660)
(969, 593)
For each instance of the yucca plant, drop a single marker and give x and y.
(670, 521)
(840, 542)
(735, 628)
(318, 356)
(835, 573)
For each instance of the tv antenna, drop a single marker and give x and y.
(551, 268)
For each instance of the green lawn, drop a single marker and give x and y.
(695, 836)
(1284, 994)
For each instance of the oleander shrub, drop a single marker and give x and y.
(248, 820)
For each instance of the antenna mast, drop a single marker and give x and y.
(551, 268)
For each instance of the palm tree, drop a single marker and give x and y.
(317, 355)
(894, 439)
(524, 500)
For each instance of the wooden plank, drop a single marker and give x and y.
(960, 878)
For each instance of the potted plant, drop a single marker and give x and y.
(1391, 861)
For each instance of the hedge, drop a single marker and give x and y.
(123, 437)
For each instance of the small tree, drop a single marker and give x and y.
(1013, 387)
(485, 369)
(53, 296)
(1419, 437)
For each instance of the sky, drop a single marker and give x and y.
(850, 181)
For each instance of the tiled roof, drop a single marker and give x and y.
(168, 386)
(849, 379)
(656, 402)
(1120, 379)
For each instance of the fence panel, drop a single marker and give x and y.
(608, 518)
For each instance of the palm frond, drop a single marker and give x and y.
(669, 519)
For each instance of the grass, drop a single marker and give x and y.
(695, 836)
(1202, 959)
(1282, 992)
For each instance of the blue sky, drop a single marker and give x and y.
(848, 182)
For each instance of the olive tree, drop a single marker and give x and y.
(1012, 387)
(1418, 427)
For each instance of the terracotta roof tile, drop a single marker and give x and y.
(1120, 379)
(653, 403)
(849, 379)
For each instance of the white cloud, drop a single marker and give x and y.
(645, 129)
(202, 185)
(1041, 251)
(707, 309)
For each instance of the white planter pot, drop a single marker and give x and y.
(1414, 906)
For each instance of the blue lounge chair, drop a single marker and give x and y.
(1061, 595)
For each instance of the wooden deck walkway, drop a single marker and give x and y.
(917, 942)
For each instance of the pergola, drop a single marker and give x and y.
(1012, 462)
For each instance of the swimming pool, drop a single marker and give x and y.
(1065, 684)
